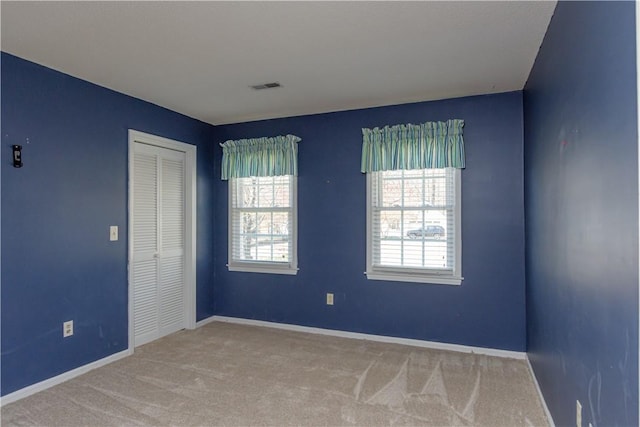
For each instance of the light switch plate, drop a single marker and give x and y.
(329, 299)
(113, 233)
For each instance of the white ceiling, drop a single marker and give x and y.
(199, 58)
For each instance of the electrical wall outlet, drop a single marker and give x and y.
(113, 233)
(578, 414)
(67, 329)
(329, 299)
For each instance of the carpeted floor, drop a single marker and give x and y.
(236, 375)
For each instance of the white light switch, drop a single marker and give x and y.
(113, 233)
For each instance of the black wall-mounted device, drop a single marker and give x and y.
(17, 156)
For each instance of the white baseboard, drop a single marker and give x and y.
(370, 337)
(205, 321)
(544, 402)
(43, 385)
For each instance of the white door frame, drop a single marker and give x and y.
(190, 152)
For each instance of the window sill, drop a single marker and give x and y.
(263, 268)
(422, 278)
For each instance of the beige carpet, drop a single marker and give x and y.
(236, 375)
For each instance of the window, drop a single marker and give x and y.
(413, 225)
(413, 201)
(262, 203)
(262, 224)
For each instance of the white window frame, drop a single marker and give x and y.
(407, 274)
(290, 267)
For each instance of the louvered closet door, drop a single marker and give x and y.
(158, 242)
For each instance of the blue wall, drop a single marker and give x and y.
(487, 310)
(57, 261)
(582, 214)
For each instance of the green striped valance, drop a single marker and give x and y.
(268, 156)
(424, 146)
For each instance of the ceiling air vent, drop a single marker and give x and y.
(266, 86)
